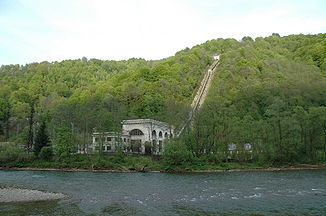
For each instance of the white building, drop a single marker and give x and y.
(141, 136)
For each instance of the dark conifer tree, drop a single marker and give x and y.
(41, 138)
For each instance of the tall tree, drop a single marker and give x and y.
(41, 138)
(5, 111)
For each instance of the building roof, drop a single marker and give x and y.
(112, 134)
(144, 121)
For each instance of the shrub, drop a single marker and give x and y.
(118, 158)
(12, 153)
(176, 153)
(2, 138)
(46, 153)
(213, 158)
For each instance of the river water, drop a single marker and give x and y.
(229, 193)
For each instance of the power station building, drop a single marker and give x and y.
(140, 136)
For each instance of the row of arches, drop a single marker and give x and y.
(138, 132)
(160, 134)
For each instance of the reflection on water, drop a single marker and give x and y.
(243, 193)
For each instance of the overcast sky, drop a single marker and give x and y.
(54, 30)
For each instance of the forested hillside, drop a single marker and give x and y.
(270, 92)
(82, 96)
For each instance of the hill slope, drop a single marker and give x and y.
(270, 92)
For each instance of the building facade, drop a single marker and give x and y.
(140, 136)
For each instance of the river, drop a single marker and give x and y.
(229, 193)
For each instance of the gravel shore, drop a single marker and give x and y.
(24, 195)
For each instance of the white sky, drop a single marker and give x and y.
(54, 30)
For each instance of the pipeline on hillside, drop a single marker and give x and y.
(201, 93)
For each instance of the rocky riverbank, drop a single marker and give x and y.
(8, 195)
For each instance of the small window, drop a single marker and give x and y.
(103, 148)
(108, 139)
(108, 147)
(124, 139)
(166, 135)
(96, 139)
(160, 134)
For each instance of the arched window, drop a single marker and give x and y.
(160, 135)
(136, 132)
(154, 134)
(166, 135)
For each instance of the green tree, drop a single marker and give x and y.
(64, 142)
(5, 111)
(41, 138)
(5, 114)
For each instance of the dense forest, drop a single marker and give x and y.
(269, 92)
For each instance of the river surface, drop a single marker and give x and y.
(229, 193)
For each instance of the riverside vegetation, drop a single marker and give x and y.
(269, 92)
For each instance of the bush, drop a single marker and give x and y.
(321, 156)
(46, 153)
(65, 157)
(213, 158)
(176, 153)
(12, 153)
(138, 162)
(118, 158)
(2, 138)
